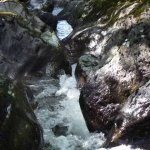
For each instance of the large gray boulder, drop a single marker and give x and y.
(114, 64)
(27, 43)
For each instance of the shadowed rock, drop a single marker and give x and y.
(19, 128)
(27, 45)
(49, 19)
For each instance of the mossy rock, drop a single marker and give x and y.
(19, 128)
(110, 10)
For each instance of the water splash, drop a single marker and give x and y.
(56, 10)
(59, 106)
(36, 4)
(63, 29)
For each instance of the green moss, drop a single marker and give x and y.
(111, 10)
(141, 8)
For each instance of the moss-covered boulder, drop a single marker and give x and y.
(19, 128)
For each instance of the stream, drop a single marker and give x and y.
(58, 109)
(60, 116)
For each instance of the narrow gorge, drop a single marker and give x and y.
(74, 75)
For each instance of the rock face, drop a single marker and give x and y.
(19, 128)
(114, 64)
(132, 126)
(27, 43)
(48, 6)
(74, 11)
(98, 20)
(49, 19)
(26, 46)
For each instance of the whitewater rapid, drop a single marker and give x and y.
(58, 109)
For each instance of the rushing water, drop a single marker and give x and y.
(61, 119)
(63, 27)
(58, 109)
(36, 4)
(57, 10)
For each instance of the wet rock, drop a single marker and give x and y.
(59, 130)
(83, 12)
(73, 11)
(19, 128)
(86, 65)
(135, 120)
(100, 105)
(83, 41)
(48, 6)
(61, 3)
(117, 73)
(26, 43)
(49, 19)
(114, 64)
(98, 25)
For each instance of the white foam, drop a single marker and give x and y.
(63, 29)
(68, 113)
(36, 4)
(68, 87)
(94, 141)
(56, 10)
(123, 147)
(47, 92)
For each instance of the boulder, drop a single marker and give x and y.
(48, 6)
(114, 64)
(26, 43)
(98, 25)
(72, 11)
(19, 128)
(132, 123)
(49, 19)
(112, 77)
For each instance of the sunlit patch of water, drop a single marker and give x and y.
(56, 10)
(63, 29)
